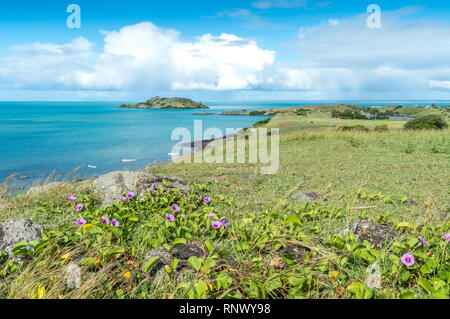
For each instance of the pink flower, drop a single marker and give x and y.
(423, 241)
(81, 222)
(153, 187)
(122, 199)
(224, 223)
(105, 220)
(207, 199)
(170, 217)
(72, 199)
(115, 223)
(408, 259)
(175, 208)
(216, 224)
(211, 215)
(79, 207)
(130, 195)
(446, 237)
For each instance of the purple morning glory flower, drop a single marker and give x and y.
(175, 208)
(446, 237)
(423, 241)
(224, 223)
(72, 199)
(408, 259)
(211, 215)
(81, 222)
(216, 224)
(105, 220)
(79, 207)
(130, 195)
(152, 188)
(170, 217)
(115, 223)
(122, 199)
(207, 199)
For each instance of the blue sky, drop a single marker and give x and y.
(274, 49)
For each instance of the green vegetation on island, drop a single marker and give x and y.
(167, 103)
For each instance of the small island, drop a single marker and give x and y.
(174, 103)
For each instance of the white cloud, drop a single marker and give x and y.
(405, 54)
(445, 85)
(343, 58)
(333, 22)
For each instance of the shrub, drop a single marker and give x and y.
(430, 121)
(357, 128)
(257, 112)
(263, 122)
(302, 112)
(381, 128)
(349, 114)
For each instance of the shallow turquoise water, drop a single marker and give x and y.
(37, 138)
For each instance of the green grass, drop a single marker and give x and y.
(385, 167)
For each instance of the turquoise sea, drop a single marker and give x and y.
(38, 138)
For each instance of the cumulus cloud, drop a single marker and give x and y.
(342, 56)
(405, 54)
(141, 56)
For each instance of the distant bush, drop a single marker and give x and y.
(349, 114)
(381, 128)
(302, 112)
(263, 122)
(257, 112)
(427, 122)
(356, 128)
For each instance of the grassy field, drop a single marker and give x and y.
(356, 175)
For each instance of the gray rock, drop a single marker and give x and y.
(111, 186)
(444, 215)
(17, 230)
(296, 251)
(375, 234)
(421, 220)
(410, 201)
(305, 196)
(182, 253)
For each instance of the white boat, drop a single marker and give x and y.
(128, 160)
(92, 166)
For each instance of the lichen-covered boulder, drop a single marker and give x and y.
(182, 253)
(111, 186)
(305, 196)
(375, 234)
(18, 230)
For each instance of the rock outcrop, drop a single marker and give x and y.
(305, 196)
(182, 253)
(111, 186)
(18, 230)
(375, 234)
